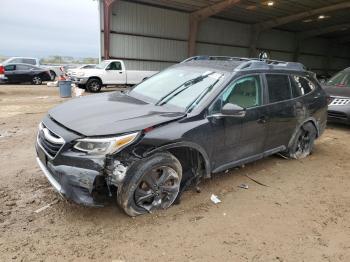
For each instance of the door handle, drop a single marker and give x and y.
(120, 72)
(262, 120)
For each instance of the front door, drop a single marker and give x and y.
(242, 137)
(115, 75)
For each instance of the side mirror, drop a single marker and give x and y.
(232, 110)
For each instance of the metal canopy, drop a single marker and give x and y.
(258, 12)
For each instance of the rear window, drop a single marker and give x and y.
(301, 86)
(342, 79)
(279, 88)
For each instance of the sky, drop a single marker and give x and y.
(39, 28)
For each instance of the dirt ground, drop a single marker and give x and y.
(302, 215)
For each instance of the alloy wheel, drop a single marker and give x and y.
(37, 80)
(157, 189)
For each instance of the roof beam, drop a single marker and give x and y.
(322, 31)
(291, 18)
(214, 9)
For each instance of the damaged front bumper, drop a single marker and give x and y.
(73, 175)
(74, 183)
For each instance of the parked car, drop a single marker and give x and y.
(338, 87)
(191, 120)
(74, 70)
(54, 70)
(108, 72)
(23, 73)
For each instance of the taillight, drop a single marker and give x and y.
(2, 70)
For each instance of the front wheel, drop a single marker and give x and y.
(37, 80)
(93, 85)
(303, 142)
(53, 75)
(150, 184)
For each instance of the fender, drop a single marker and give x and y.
(310, 119)
(189, 145)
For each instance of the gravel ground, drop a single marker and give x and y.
(302, 215)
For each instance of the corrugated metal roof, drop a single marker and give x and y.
(255, 11)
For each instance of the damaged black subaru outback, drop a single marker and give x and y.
(147, 145)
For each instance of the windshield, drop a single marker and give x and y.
(342, 79)
(180, 87)
(102, 65)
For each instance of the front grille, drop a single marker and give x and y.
(339, 101)
(49, 141)
(338, 115)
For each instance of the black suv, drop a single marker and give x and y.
(205, 115)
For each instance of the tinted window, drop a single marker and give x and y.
(114, 66)
(23, 67)
(10, 68)
(302, 86)
(245, 92)
(279, 88)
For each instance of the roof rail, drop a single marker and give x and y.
(252, 63)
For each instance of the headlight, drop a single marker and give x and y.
(105, 146)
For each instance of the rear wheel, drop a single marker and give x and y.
(151, 184)
(93, 85)
(37, 80)
(303, 142)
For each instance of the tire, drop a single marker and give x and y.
(150, 184)
(53, 75)
(37, 80)
(303, 142)
(93, 85)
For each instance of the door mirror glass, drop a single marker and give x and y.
(232, 110)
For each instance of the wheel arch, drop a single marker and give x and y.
(311, 120)
(96, 78)
(181, 147)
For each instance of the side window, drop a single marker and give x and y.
(302, 86)
(10, 68)
(279, 88)
(245, 92)
(115, 66)
(22, 67)
(28, 61)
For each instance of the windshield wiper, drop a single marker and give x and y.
(165, 99)
(203, 94)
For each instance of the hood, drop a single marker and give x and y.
(337, 90)
(110, 114)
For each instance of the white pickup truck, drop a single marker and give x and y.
(108, 72)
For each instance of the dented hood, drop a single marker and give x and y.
(110, 114)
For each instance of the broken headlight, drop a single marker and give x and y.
(105, 146)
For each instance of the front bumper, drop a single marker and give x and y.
(72, 174)
(79, 80)
(339, 114)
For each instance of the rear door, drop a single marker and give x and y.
(281, 111)
(242, 137)
(10, 73)
(115, 74)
